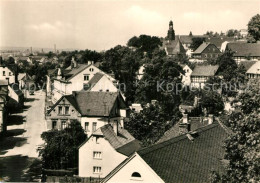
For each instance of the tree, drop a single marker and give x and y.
(10, 60)
(209, 33)
(148, 125)
(242, 147)
(196, 42)
(190, 34)
(161, 81)
(124, 64)
(60, 150)
(145, 43)
(254, 28)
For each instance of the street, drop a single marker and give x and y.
(18, 149)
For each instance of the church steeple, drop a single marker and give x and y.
(171, 33)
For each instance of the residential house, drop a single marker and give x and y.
(219, 40)
(186, 125)
(101, 82)
(186, 76)
(254, 71)
(8, 72)
(136, 107)
(243, 33)
(74, 78)
(23, 79)
(245, 51)
(106, 148)
(3, 103)
(186, 40)
(189, 157)
(206, 51)
(92, 109)
(201, 74)
(171, 45)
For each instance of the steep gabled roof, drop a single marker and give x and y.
(173, 47)
(182, 160)
(90, 103)
(94, 80)
(205, 70)
(247, 64)
(75, 71)
(194, 122)
(123, 142)
(96, 103)
(244, 49)
(217, 41)
(70, 99)
(201, 48)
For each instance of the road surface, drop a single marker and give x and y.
(18, 150)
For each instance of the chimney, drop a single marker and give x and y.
(75, 63)
(184, 126)
(59, 74)
(72, 64)
(89, 62)
(185, 119)
(210, 119)
(115, 127)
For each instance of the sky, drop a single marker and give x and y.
(103, 24)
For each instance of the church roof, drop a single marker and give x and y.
(173, 47)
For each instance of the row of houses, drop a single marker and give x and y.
(110, 152)
(211, 48)
(187, 152)
(10, 91)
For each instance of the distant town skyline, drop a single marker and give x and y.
(101, 25)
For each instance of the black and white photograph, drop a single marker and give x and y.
(130, 91)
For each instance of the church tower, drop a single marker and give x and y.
(171, 33)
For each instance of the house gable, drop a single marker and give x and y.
(211, 48)
(63, 102)
(97, 143)
(129, 170)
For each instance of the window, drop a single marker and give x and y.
(60, 110)
(136, 174)
(3, 73)
(86, 77)
(91, 69)
(10, 74)
(54, 124)
(97, 155)
(67, 108)
(96, 169)
(63, 125)
(94, 126)
(86, 126)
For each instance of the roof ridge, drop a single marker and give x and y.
(179, 138)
